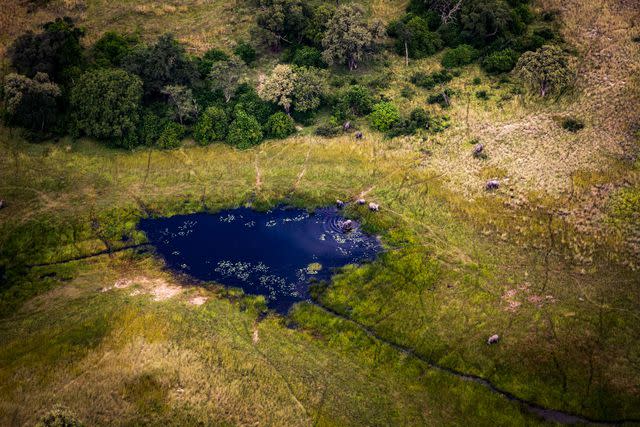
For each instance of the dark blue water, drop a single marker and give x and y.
(274, 253)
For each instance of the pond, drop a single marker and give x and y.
(274, 253)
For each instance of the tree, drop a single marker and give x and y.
(309, 88)
(55, 51)
(226, 75)
(282, 21)
(212, 126)
(354, 101)
(31, 103)
(279, 86)
(244, 131)
(446, 9)
(163, 64)
(280, 126)
(349, 37)
(413, 38)
(209, 58)
(106, 105)
(483, 21)
(112, 48)
(171, 136)
(183, 103)
(546, 70)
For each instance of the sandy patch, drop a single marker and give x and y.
(198, 300)
(159, 289)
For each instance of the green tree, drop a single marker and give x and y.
(212, 126)
(310, 85)
(282, 21)
(56, 51)
(31, 103)
(226, 76)
(483, 21)
(384, 116)
(279, 86)
(106, 105)
(244, 131)
(246, 52)
(349, 38)
(162, 64)
(209, 58)
(112, 48)
(547, 70)
(171, 136)
(280, 126)
(413, 38)
(181, 99)
(308, 56)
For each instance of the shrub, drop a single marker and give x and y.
(572, 124)
(244, 131)
(501, 61)
(329, 129)
(483, 95)
(384, 116)
(459, 56)
(212, 126)
(414, 38)
(308, 56)
(442, 98)
(151, 128)
(407, 92)
(429, 81)
(246, 52)
(280, 126)
(171, 136)
(106, 104)
(59, 416)
(476, 81)
(355, 101)
(420, 118)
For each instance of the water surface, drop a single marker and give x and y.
(274, 253)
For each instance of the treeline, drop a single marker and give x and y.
(129, 93)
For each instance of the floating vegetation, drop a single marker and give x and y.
(272, 253)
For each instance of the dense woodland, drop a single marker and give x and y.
(129, 93)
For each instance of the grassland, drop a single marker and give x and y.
(539, 262)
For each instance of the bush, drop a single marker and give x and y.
(442, 98)
(59, 416)
(308, 56)
(249, 101)
(459, 56)
(212, 126)
(31, 103)
(280, 126)
(501, 61)
(355, 101)
(329, 129)
(418, 119)
(171, 136)
(244, 131)
(572, 125)
(429, 81)
(483, 95)
(384, 116)
(151, 128)
(246, 52)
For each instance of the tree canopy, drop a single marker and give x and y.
(547, 70)
(349, 38)
(31, 103)
(106, 105)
